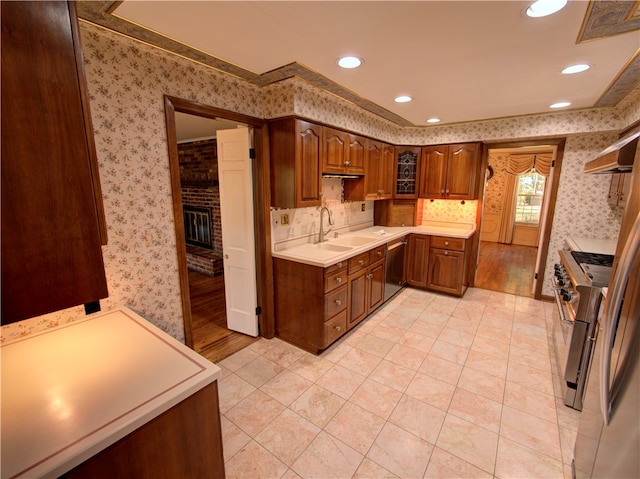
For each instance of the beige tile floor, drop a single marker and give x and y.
(429, 386)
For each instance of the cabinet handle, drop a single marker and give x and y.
(361, 261)
(338, 280)
(379, 253)
(339, 265)
(369, 276)
(337, 328)
(338, 302)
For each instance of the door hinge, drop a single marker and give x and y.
(258, 310)
(553, 163)
(535, 276)
(252, 153)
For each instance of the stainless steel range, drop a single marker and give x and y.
(578, 282)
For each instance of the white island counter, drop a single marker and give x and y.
(71, 391)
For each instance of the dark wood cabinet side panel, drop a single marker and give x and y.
(299, 301)
(51, 254)
(282, 162)
(185, 442)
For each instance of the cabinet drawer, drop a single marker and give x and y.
(444, 242)
(377, 254)
(334, 328)
(335, 267)
(335, 280)
(358, 262)
(335, 301)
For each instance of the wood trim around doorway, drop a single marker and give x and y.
(545, 235)
(261, 202)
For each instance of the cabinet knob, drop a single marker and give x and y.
(447, 191)
(338, 280)
(339, 265)
(226, 256)
(442, 192)
(446, 253)
(337, 328)
(446, 243)
(379, 253)
(338, 302)
(361, 261)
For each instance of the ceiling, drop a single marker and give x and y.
(459, 60)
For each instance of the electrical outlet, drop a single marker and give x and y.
(284, 219)
(362, 206)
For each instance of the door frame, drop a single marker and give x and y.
(261, 208)
(545, 233)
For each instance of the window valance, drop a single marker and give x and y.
(524, 163)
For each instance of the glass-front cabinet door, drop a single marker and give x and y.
(406, 172)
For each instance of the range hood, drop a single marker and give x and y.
(618, 158)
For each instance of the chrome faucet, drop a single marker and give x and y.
(322, 233)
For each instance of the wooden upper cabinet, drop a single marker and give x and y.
(342, 153)
(335, 150)
(450, 171)
(433, 171)
(373, 169)
(357, 153)
(295, 147)
(377, 183)
(406, 173)
(386, 176)
(51, 204)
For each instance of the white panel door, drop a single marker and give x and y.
(236, 211)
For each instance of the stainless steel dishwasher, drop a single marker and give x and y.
(394, 268)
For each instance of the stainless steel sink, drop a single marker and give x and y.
(353, 240)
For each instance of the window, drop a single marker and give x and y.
(529, 197)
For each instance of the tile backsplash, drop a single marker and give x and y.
(304, 223)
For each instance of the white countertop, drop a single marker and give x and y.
(592, 245)
(71, 391)
(350, 244)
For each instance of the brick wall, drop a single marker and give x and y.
(199, 181)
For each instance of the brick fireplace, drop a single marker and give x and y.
(200, 194)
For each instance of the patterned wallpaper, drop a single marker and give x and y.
(126, 83)
(452, 211)
(494, 189)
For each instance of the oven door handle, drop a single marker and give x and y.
(561, 308)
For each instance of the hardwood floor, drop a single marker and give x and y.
(211, 338)
(506, 268)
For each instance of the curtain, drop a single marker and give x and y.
(508, 210)
(524, 163)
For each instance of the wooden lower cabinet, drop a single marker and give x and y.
(185, 441)
(314, 306)
(447, 265)
(438, 263)
(366, 284)
(310, 303)
(418, 264)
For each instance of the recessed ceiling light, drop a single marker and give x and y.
(542, 8)
(433, 120)
(577, 68)
(350, 62)
(560, 104)
(403, 99)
